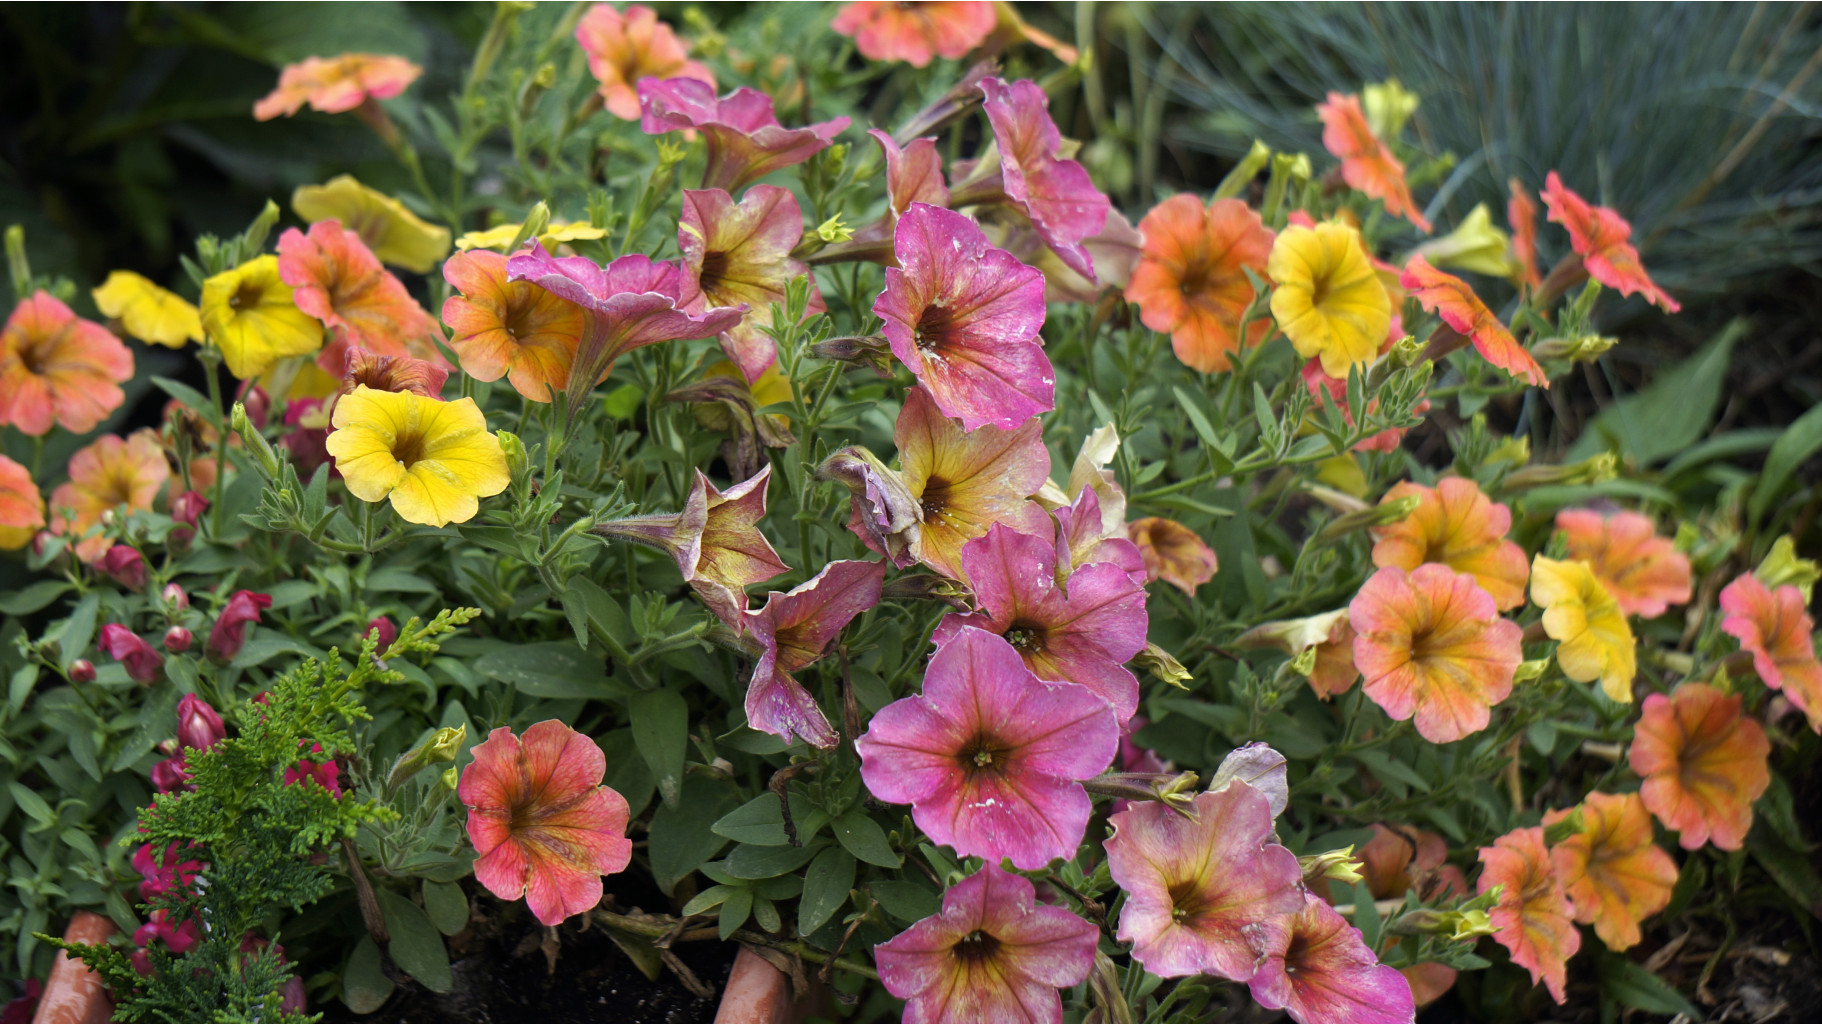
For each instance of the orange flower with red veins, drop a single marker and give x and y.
(106, 475)
(1611, 871)
(511, 329)
(56, 367)
(1777, 629)
(1703, 764)
(543, 825)
(916, 32)
(1521, 217)
(1452, 299)
(21, 506)
(1458, 526)
(1190, 280)
(1598, 235)
(1173, 553)
(334, 85)
(1645, 573)
(392, 373)
(1367, 164)
(624, 47)
(1533, 916)
(339, 281)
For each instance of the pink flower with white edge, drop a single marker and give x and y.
(794, 629)
(1056, 194)
(745, 140)
(125, 646)
(992, 954)
(989, 757)
(543, 825)
(739, 254)
(1321, 972)
(964, 317)
(1082, 630)
(229, 634)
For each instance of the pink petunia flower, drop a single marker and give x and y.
(626, 46)
(1086, 535)
(1776, 628)
(916, 32)
(56, 367)
(338, 280)
(989, 757)
(739, 254)
(1533, 918)
(229, 633)
(745, 140)
(1320, 971)
(125, 646)
(795, 629)
(334, 85)
(1055, 194)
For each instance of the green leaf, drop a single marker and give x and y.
(446, 906)
(364, 983)
(906, 901)
(33, 598)
(33, 805)
(661, 730)
(79, 629)
(268, 645)
(640, 951)
(1197, 419)
(1634, 986)
(602, 613)
(415, 947)
(184, 393)
(735, 911)
(758, 822)
(861, 836)
(708, 899)
(752, 862)
(1799, 441)
(554, 671)
(1669, 415)
(825, 889)
(1793, 871)
(623, 401)
(389, 581)
(683, 836)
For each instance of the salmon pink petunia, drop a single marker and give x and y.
(108, 473)
(1533, 917)
(794, 629)
(1521, 217)
(1367, 163)
(56, 367)
(1054, 193)
(745, 140)
(1645, 573)
(1456, 525)
(1703, 764)
(1776, 628)
(1191, 279)
(626, 46)
(1320, 971)
(1173, 553)
(334, 85)
(512, 329)
(543, 825)
(1201, 883)
(739, 254)
(964, 317)
(1431, 645)
(990, 757)
(1452, 299)
(1599, 236)
(21, 506)
(1400, 858)
(994, 953)
(916, 32)
(1594, 640)
(1612, 872)
(1328, 301)
(338, 280)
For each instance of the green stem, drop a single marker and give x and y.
(221, 446)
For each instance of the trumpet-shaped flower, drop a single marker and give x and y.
(624, 47)
(745, 140)
(1776, 628)
(395, 234)
(1367, 163)
(1432, 645)
(1703, 764)
(1612, 872)
(127, 647)
(251, 314)
(148, 312)
(1533, 917)
(56, 367)
(989, 757)
(1475, 246)
(1456, 525)
(199, 726)
(1320, 971)
(914, 174)
(1645, 573)
(1173, 553)
(1330, 633)
(739, 254)
(1328, 300)
(229, 634)
(392, 373)
(338, 280)
(992, 954)
(964, 317)
(1452, 299)
(1087, 534)
(543, 825)
(107, 474)
(1399, 859)
(916, 32)
(511, 329)
(1082, 630)
(1191, 278)
(335, 85)
(1521, 217)
(794, 630)
(1594, 641)
(1113, 252)
(1055, 194)
(21, 506)
(433, 459)
(1599, 236)
(1203, 887)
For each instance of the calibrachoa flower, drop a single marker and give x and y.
(1645, 573)
(989, 757)
(916, 32)
(1400, 858)
(993, 954)
(1452, 299)
(1432, 645)
(229, 634)
(738, 254)
(1190, 280)
(1173, 553)
(433, 459)
(1328, 301)
(1080, 630)
(199, 726)
(125, 646)
(1456, 525)
(338, 280)
(1367, 163)
(148, 312)
(1775, 626)
(1055, 194)
(964, 317)
(543, 825)
(392, 373)
(794, 629)
(1113, 252)
(512, 329)
(1703, 764)
(1200, 884)
(1611, 871)
(334, 85)
(1320, 971)
(395, 234)
(250, 315)
(21, 506)
(1329, 633)
(108, 473)
(1599, 236)
(745, 140)
(1521, 217)
(56, 367)
(624, 47)
(1594, 641)
(555, 233)
(1532, 916)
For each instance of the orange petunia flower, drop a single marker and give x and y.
(623, 47)
(1367, 164)
(334, 85)
(1458, 526)
(1777, 629)
(1594, 641)
(1598, 235)
(56, 367)
(1452, 299)
(512, 329)
(1703, 764)
(108, 473)
(1190, 280)
(21, 506)
(1533, 916)
(1173, 553)
(1612, 872)
(339, 281)
(916, 32)
(1645, 573)
(1521, 217)
(1399, 859)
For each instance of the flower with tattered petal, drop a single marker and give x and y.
(250, 313)
(1776, 628)
(108, 473)
(56, 367)
(739, 254)
(1521, 217)
(1087, 534)
(1594, 640)
(624, 47)
(1320, 971)
(334, 85)
(1113, 252)
(745, 140)
(993, 954)
(147, 312)
(1452, 299)
(1612, 872)
(1599, 236)
(338, 280)
(397, 236)
(543, 825)
(1533, 916)
(1173, 553)
(512, 329)
(1703, 764)
(1199, 884)
(1328, 301)
(794, 629)
(392, 373)
(1367, 163)
(21, 506)
(1191, 278)
(1645, 573)
(989, 757)
(434, 460)
(916, 32)
(1456, 525)
(1055, 194)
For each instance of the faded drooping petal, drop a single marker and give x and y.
(745, 140)
(1320, 971)
(1400, 858)
(1645, 573)
(1203, 889)
(1055, 193)
(1776, 628)
(914, 174)
(392, 373)
(1191, 279)
(1452, 299)
(1594, 639)
(1532, 916)
(883, 512)
(989, 757)
(1173, 553)
(1599, 236)
(1458, 526)
(1614, 875)
(1330, 633)
(794, 629)
(1086, 534)
(1703, 764)
(1367, 163)
(1521, 217)
(1260, 767)
(966, 480)
(739, 254)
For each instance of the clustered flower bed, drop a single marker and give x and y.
(1092, 675)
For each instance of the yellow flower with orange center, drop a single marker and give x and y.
(148, 312)
(433, 459)
(1593, 638)
(1328, 300)
(110, 473)
(249, 313)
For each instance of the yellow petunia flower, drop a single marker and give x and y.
(500, 236)
(395, 234)
(435, 460)
(1328, 301)
(1593, 638)
(249, 313)
(148, 312)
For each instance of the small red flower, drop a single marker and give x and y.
(1598, 235)
(125, 646)
(229, 633)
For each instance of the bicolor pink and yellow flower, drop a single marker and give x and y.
(794, 630)
(1703, 762)
(1191, 280)
(1320, 971)
(1612, 872)
(1532, 918)
(739, 254)
(1594, 640)
(1645, 573)
(109, 473)
(1775, 627)
(1454, 300)
(335, 278)
(745, 140)
(57, 368)
(506, 328)
(626, 46)
(1456, 525)
(1599, 236)
(1033, 179)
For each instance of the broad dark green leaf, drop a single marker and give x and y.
(863, 837)
(825, 889)
(446, 906)
(415, 947)
(364, 983)
(555, 671)
(683, 836)
(661, 729)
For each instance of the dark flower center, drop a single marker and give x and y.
(977, 947)
(932, 328)
(246, 296)
(984, 754)
(1295, 958)
(1026, 637)
(935, 499)
(714, 270)
(1195, 279)
(408, 449)
(1186, 899)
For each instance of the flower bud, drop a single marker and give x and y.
(1585, 349)
(1387, 105)
(870, 349)
(171, 774)
(199, 726)
(178, 639)
(1571, 825)
(833, 230)
(82, 670)
(441, 747)
(188, 507)
(125, 566)
(451, 778)
(1475, 245)
(261, 451)
(1530, 671)
(387, 633)
(1162, 665)
(229, 633)
(884, 506)
(143, 664)
(257, 403)
(1245, 171)
(930, 587)
(1782, 566)
(175, 597)
(1335, 865)
(514, 449)
(1383, 514)
(1599, 469)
